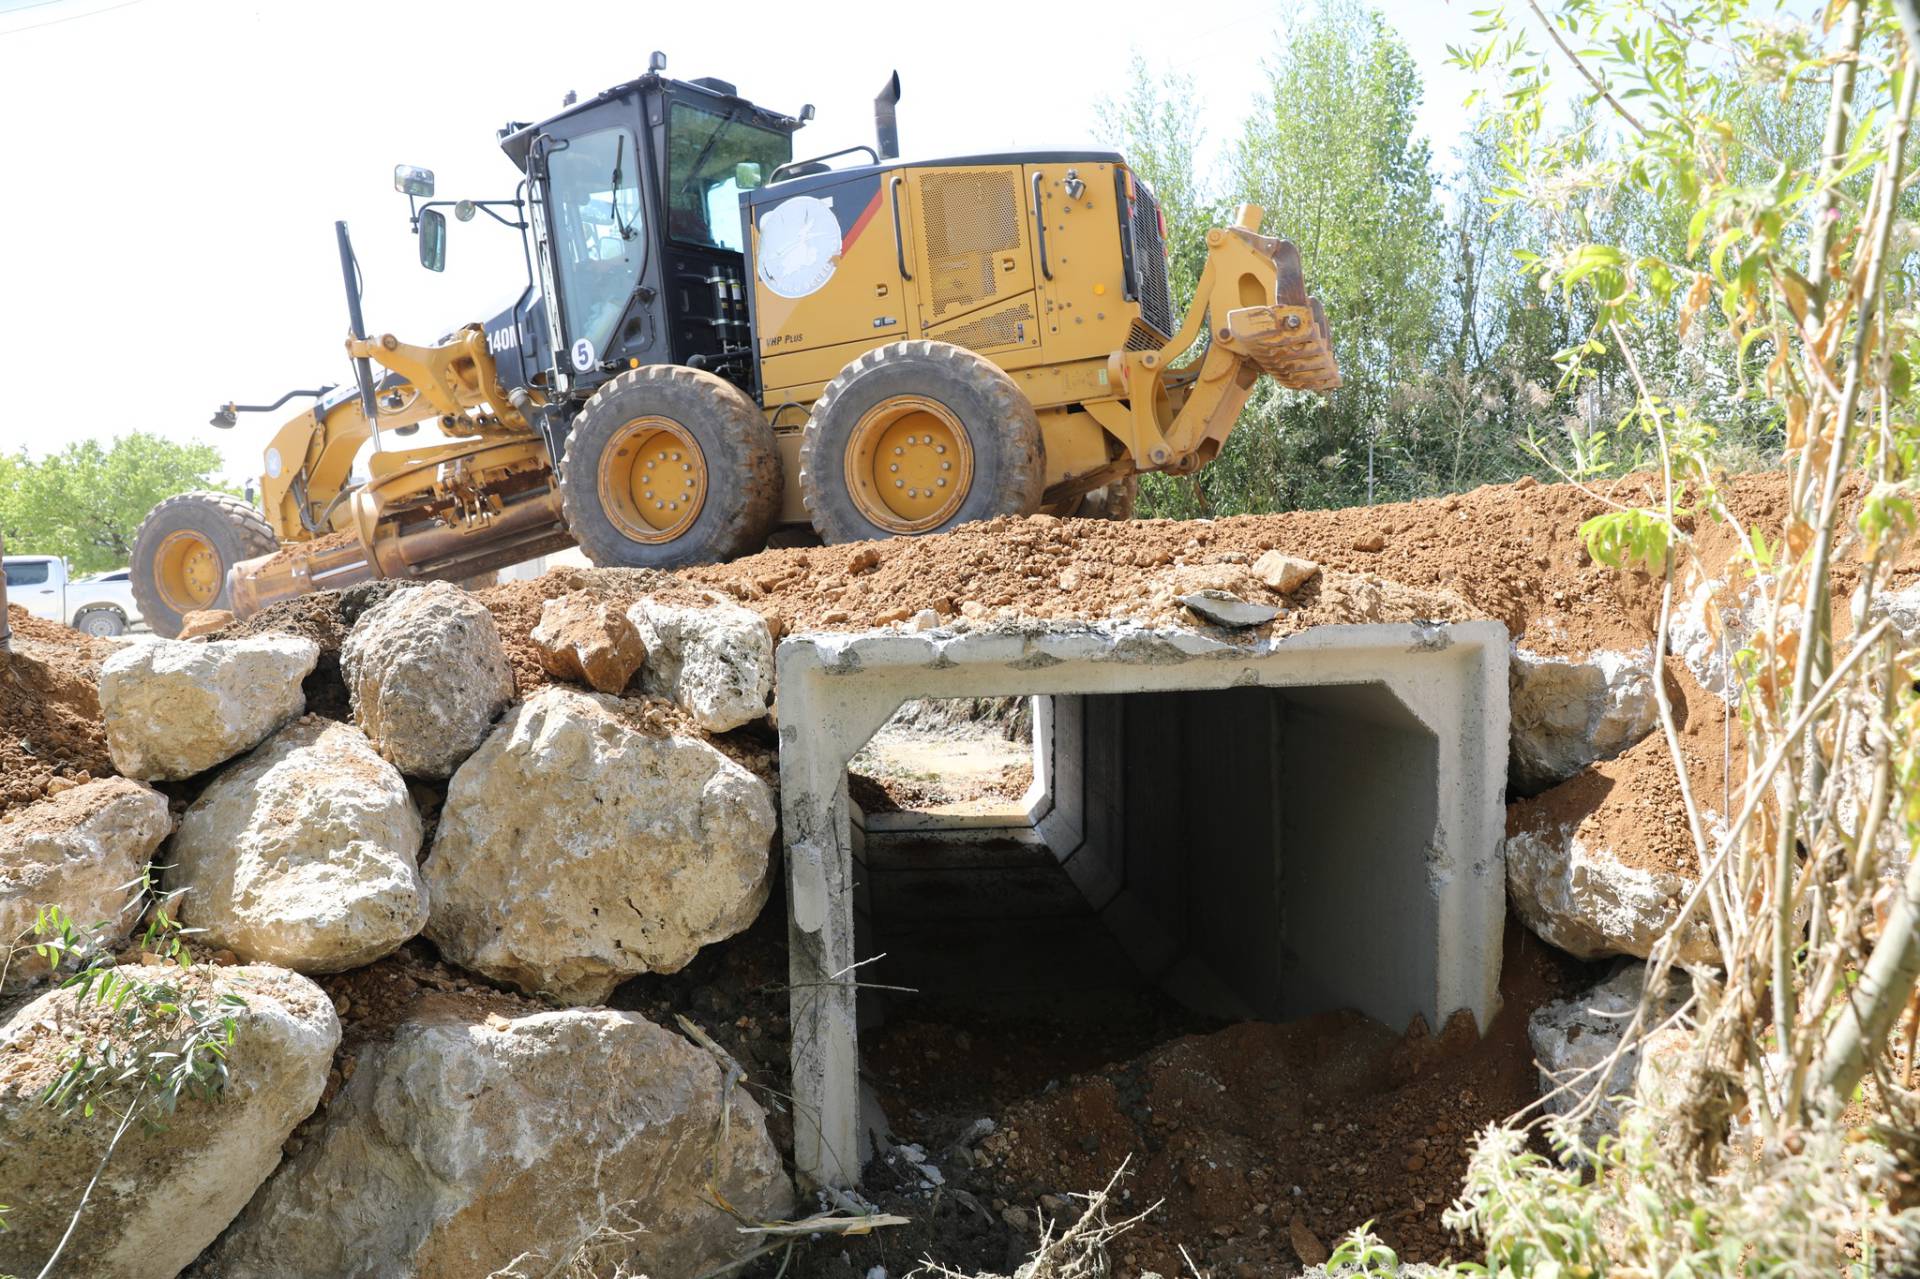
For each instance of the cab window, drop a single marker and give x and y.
(28, 573)
(599, 230)
(711, 159)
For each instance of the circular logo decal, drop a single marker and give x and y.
(799, 246)
(583, 356)
(273, 464)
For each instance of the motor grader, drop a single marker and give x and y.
(715, 341)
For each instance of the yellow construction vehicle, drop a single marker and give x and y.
(715, 340)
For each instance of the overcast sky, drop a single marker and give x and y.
(166, 236)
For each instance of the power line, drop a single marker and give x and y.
(72, 17)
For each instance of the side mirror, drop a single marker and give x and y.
(433, 240)
(412, 180)
(746, 175)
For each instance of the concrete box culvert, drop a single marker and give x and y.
(1269, 829)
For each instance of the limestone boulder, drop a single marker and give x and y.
(1567, 713)
(1591, 904)
(1572, 1038)
(1285, 573)
(579, 846)
(167, 1192)
(585, 638)
(471, 1141)
(174, 708)
(1711, 623)
(304, 853)
(78, 850)
(427, 676)
(715, 662)
(1902, 609)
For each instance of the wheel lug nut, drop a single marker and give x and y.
(898, 451)
(942, 481)
(946, 466)
(899, 484)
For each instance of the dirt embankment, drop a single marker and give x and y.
(50, 730)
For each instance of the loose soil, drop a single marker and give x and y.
(50, 709)
(1630, 806)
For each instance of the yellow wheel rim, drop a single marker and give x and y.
(909, 464)
(653, 480)
(188, 572)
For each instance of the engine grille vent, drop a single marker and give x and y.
(1148, 261)
(1002, 328)
(970, 218)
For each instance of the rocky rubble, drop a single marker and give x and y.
(83, 850)
(174, 708)
(465, 1145)
(578, 848)
(168, 1191)
(588, 640)
(428, 676)
(716, 662)
(303, 854)
(1568, 713)
(1574, 1037)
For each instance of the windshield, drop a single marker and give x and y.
(709, 156)
(599, 233)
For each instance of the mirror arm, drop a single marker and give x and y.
(486, 206)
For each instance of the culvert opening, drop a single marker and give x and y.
(1257, 833)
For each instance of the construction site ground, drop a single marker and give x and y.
(1260, 1144)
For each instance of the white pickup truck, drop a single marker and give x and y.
(99, 605)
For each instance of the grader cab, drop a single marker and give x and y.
(715, 340)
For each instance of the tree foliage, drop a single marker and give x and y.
(86, 501)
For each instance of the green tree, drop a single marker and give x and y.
(86, 501)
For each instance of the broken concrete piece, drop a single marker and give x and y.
(303, 854)
(1225, 609)
(576, 850)
(1572, 1037)
(1284, 573)
(427, 676)
(168, 1190)
(716, 663)
(1567, 713)
(584, 638)
(1591, 905)
(174, 708)
(469, 1143)
(81, 850)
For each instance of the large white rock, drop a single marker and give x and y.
(1590, 904)
(79, 850)
(469, 1141)
(167, 1193)
(1571, 1038)
(427, 676)
(174, 708)
(715, 662)
(303, 854)
(576, 849)
(1566, 714)
(1711, 624)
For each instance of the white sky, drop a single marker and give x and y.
(166, 238)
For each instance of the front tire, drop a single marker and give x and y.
(668, 466)
(183, 551)
(917, 437)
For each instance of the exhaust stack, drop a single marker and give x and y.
(886, 127)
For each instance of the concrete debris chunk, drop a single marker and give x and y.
(1284, 573)
(80, 850)
(576, 850)
(1591, 905)
(303, 854)
(175, 708)
(716, 663)
(1568, 713)
(168, 1191)
(1225, 609)
(1572, 1037)
(427, 676)
(584, 638)
(467, 1144)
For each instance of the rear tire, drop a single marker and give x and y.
(917, 437)
(668, 466)
(101, 623)
(183, 551)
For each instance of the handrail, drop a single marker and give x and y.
(1040, 228)
(899, 244)
(817, 159)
